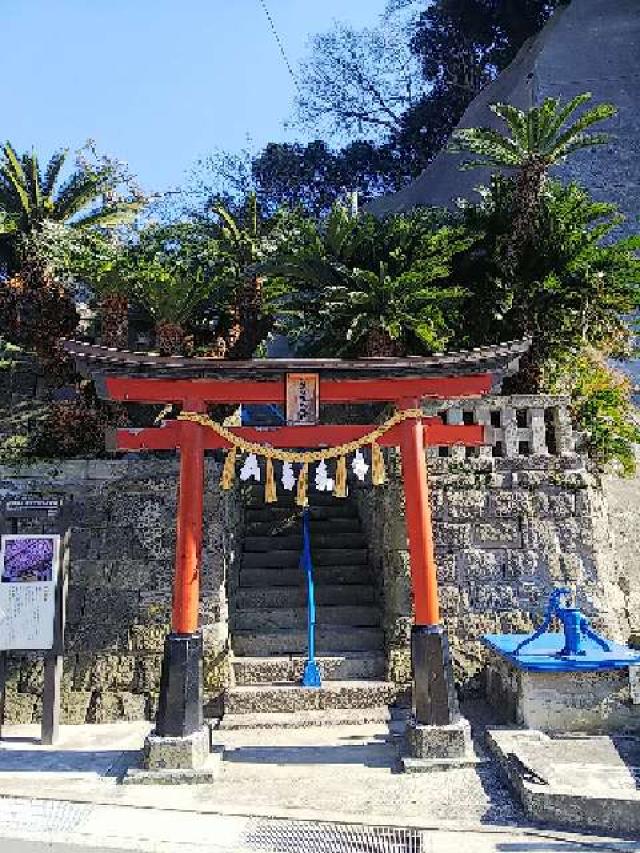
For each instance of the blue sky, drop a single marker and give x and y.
(158, 83)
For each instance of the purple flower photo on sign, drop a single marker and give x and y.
(28, 560)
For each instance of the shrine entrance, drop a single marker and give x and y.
(305, 387)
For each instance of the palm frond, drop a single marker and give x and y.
(52, 172)
(516, 121)
(80, 190)
(35, 180)
(14, 173)
(583, 140)
(557, 118)
(599, 113)
(489, 144)
(119, 213)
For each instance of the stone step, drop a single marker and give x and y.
(291, 698)
(324, 557)
(306, 719)
(329, 641)
(356, 666)
(270, 512)
(292, 526)
(296, 617)
(293, 542)
(256, 598)
(273, 576)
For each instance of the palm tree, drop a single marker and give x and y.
(30, 196)
(242, 240)
(375, 288)
(535, 141)
(171, 296)
(37, 307)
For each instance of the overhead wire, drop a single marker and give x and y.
(279, 42)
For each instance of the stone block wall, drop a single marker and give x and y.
(623, 501)
(512, 520)
(121, 543)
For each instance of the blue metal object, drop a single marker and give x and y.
(574, 624)
(542, 654)
(577, 647)
(311, 676)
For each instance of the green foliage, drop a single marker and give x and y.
(542, 135)
(601, 405)
(99, 191)
(569, 289)
(354, 277)
(172, 270)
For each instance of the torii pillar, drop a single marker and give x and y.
(434, 695)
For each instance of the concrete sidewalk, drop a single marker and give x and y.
(279, 790)
(349, 772)
(31, 826)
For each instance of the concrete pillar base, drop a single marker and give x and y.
(452, 741)
(177, 760)
(435, 702)
(439, 747)
(190, 752)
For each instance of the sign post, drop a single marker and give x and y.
(32, 601)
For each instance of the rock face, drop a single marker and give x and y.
(588, 46)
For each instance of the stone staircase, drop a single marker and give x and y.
(268, 620)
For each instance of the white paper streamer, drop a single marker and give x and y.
(323, 482)
(250, 468)
(288, 478)
(359, 466)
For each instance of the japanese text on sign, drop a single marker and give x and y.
(28, 578)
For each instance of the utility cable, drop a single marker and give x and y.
(279, 42)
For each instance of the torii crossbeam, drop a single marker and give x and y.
(195, 384)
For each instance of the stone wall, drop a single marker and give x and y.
(121, 517)
(623, 500)
(511, 520)
(588, 702)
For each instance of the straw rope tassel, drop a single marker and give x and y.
(340, 489)
(303, 481)
(229, 469)
(270, 493)
(378, 471)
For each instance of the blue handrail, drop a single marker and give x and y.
(311, 676)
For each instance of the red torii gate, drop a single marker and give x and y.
(180, 706)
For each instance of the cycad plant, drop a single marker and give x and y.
(171, 296)
(365, 287)
(571, 290)
(36, 306)
(242, 237)
(31, 196)
(534, 141)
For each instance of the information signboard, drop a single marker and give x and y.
(21, 506)
(29, 567)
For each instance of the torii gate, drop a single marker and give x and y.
(194, 384)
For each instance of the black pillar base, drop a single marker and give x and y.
(180, 702)
(434, 693)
